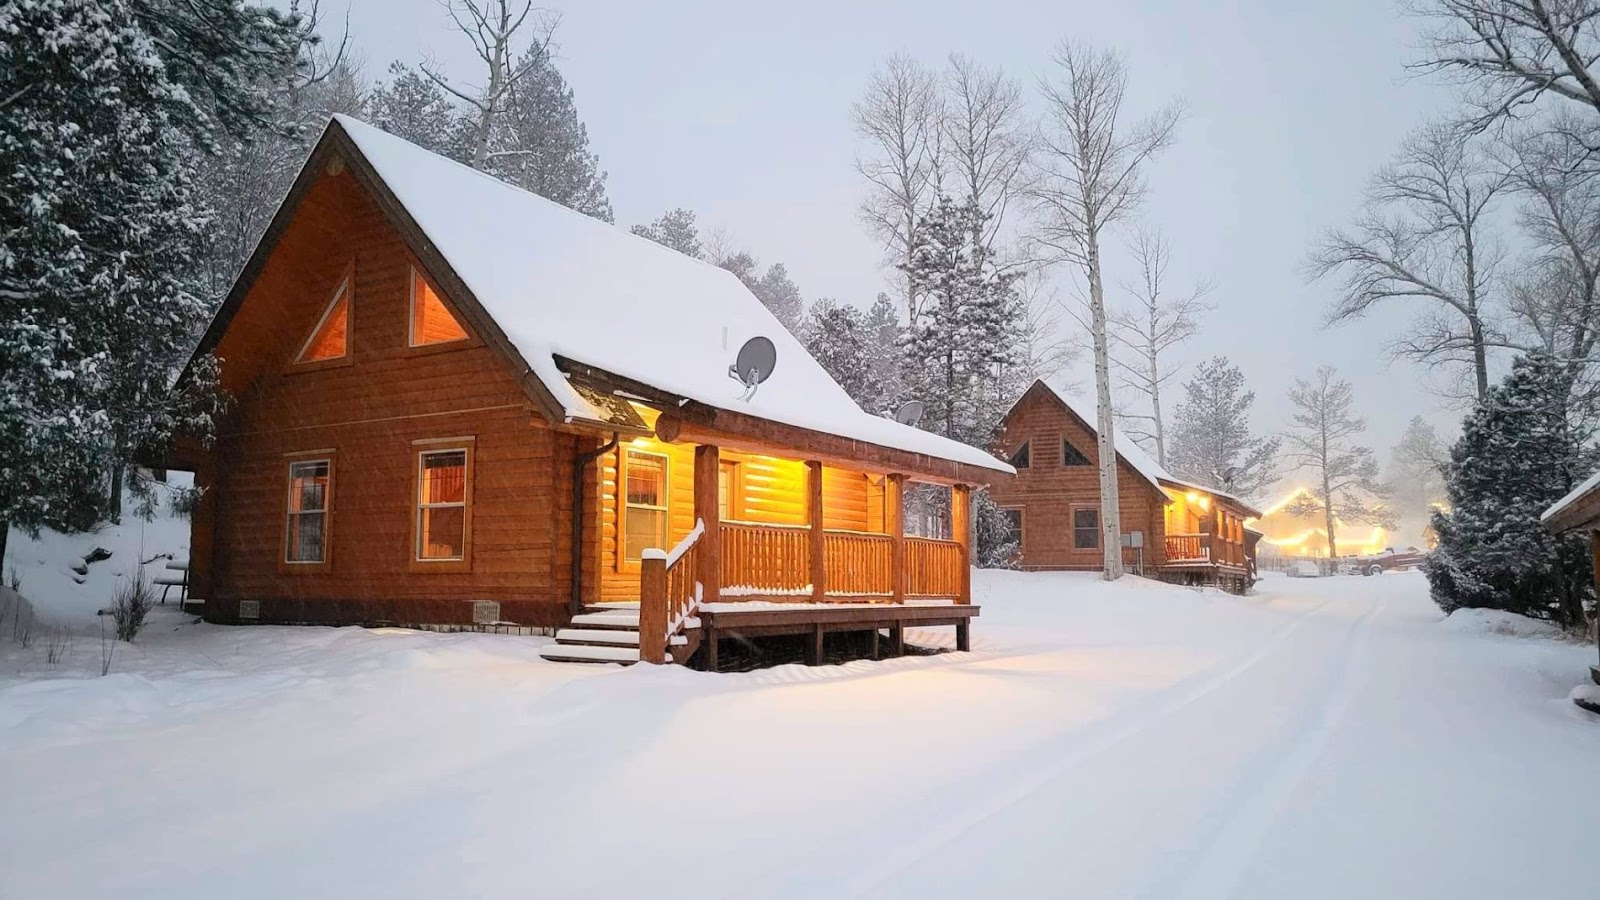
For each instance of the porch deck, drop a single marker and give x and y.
(718, 620)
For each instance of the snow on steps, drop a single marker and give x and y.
(609, 635)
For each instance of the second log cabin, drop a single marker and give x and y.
(1173, 529)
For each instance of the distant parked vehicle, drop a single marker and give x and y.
(1304, 568)
(1391, 560)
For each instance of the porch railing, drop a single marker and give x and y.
(775, 561)
(933, 568)
(765, 559)
(1188, 547)
(859, 564)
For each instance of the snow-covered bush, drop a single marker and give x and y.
(996, 544)
(131, 605)
(1518, 453)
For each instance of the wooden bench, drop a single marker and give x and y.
(177, 577)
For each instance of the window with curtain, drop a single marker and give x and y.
(1086, 529)
(308, 511)
(442, 504)
(645, 518)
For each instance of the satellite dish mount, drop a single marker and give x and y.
(910, 412)
(754, 365)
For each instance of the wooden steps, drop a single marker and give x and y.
(611, 635)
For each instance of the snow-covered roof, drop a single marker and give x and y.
(1131, 453)
(1571, 499)
(560, 283)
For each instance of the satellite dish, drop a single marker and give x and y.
(910, 412)
(754, 365)
(1228, 475)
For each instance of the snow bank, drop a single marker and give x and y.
(1498, 621)
(1586, 696)
(45, 564)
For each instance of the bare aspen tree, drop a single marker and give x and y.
(987, 140)
(1088, 176)
(1154, 324)
(1321, 438)
(492, 27)
(1512, 54)
(898, 118)
(1555, 301)
(1424, 237)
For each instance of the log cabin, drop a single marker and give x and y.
(458, 404)
(1172, 529)
(1579, 512)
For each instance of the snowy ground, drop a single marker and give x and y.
(1326, 738)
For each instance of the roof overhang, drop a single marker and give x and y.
(1581, 513)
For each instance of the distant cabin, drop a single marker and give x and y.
(459, 404)
(1172, 529)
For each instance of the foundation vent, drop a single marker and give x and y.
(249, 609)
(485, 612)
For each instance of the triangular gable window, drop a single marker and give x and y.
(330, 339)
(1021, 458)
(431, 322)
(1072, 456)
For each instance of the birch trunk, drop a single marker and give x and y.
(1110, 505)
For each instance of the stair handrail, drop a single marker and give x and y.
(662, 611)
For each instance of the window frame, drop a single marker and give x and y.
(1026, 447)
(1065, 443)
(414, 272)
(730, 506)
(1098, 539)
(624, 561)
(290, 461)
(346, 287)
(419, 451)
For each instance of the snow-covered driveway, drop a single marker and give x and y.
(1325, 738)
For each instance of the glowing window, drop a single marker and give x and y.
(431, 322)
(442, 505)
(329, 340)
(307, 529)
(646, 513)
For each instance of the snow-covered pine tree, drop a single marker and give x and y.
(840, 337)
(676, 229)
(1211, 442)
(996, 544)
(1518, 453)
(1416, 470)
(968, 329)
(413, 106)
(885, 334)
(538, 142)
(100, 241)
(773, 288)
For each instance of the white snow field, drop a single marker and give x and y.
(1323, 738)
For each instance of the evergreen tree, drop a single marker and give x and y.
(412, 106)
(839, 337)
(538, 143)
(100, 236)
(1518, 453)
(780, 295)
(884, 337)
(1212, 443)
(1416, 469)
(995, 542)
(968, 327)
(675, 229)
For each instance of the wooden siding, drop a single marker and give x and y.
(1048, 491)
(772, 492)
(368, 409)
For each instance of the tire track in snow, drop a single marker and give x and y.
(1227, 857)
(1063, 756)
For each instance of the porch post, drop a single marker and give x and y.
(653, 606)
(961, 532)
(894, 514)
(819, 557)
(708, 509)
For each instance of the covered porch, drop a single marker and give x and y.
(716, 532)
(1205, 535)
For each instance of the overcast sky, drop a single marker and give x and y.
(741, 111)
